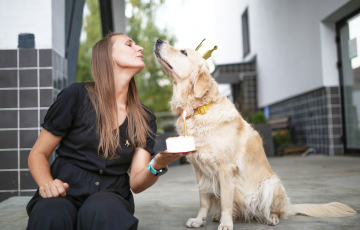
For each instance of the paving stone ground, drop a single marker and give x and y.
(174, 198)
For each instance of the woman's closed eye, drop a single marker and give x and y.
(183, 52)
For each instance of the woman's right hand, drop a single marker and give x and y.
(53, 188)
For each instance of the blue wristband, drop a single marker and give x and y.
(154, 171)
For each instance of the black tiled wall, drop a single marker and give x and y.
(29, 81)
(8, 58)
(249, 93)
(8, 78)
(315, 118)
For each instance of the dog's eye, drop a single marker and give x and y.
(183, 52)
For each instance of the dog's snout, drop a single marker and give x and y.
(158, 44)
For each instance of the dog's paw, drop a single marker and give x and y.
(196, 222)
(226, 226)
(273, 219)
(216, 217)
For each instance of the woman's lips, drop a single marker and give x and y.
(141, 57)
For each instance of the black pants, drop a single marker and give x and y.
(103, 210)
(109, 205)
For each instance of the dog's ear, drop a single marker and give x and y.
(202, 83)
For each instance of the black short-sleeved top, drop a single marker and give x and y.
(72, 116)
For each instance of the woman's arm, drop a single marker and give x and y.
(40, 168)
(140, 177)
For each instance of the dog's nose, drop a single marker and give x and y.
(159, 41)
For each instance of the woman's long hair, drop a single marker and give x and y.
(102, 96)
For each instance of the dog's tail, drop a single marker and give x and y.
(323, 210)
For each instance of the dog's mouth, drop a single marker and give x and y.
(168, 64)
(157, 55)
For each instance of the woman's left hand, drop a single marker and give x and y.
(163, 159)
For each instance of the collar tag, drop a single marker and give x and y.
(201, 110)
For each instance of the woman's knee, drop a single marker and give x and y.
(98, 204)
(105, 210)
(106, 200)
(53, 213)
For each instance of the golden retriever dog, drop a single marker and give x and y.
(234, 176)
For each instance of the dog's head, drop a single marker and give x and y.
(193, 84)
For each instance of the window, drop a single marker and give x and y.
(245, 33)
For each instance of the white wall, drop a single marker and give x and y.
(190, 21)
(228, 30)
(295, 50)
(25, 16)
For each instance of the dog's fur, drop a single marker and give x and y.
(234, 175)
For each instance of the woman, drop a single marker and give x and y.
(102, 130)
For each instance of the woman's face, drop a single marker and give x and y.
(126, 54)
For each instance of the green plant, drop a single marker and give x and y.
(246, 114)
(258, 118)
(281, 138)
(92, 28)
(169, 128)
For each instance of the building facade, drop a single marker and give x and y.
(303, 67)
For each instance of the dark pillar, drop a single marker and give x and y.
(73, 20)
(106, 17)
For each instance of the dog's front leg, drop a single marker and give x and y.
(205, 205)
(227, 190)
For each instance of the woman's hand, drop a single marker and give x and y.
(163, 159)
(140, 177)
(53, 188)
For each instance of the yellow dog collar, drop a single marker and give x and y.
(202, 109)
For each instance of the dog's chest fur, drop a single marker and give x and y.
(215, 137)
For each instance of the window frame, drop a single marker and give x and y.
(245, 32)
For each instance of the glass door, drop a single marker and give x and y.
(349, 68)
